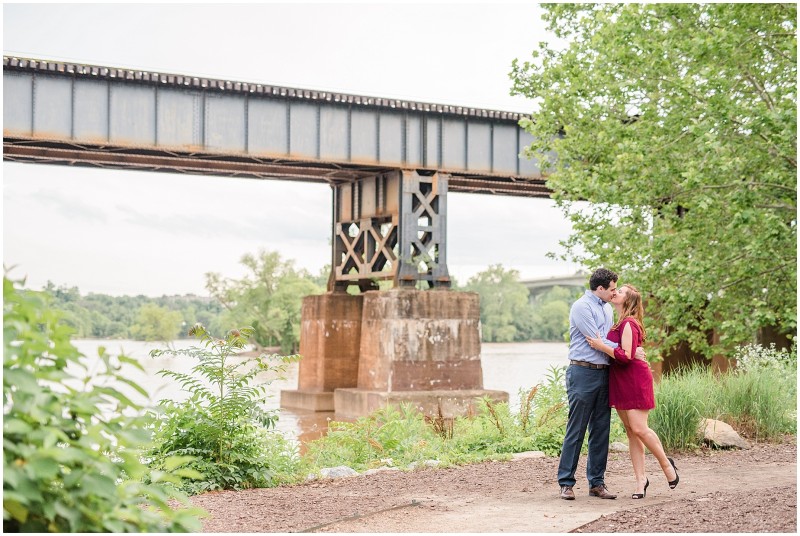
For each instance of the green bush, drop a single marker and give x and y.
(222, 425)
(390, 436)
(71, 452)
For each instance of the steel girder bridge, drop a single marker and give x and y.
(390, 162)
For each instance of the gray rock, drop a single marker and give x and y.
(527, 455)
(616, 446)
(379, 470)
(721, 435)
(341, 471)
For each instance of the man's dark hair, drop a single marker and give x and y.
(602, 278)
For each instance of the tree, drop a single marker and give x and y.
(156, 323)
(551, 313)
(678, 124)
(268, 298)
(506, 315)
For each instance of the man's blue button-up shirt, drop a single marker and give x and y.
(588, 317)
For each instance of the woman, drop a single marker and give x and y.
(630, 387)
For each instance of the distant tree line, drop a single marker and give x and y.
(269, 298)
(134, 317)
(508, 314)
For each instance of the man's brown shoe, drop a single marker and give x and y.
(567, 494)
(602, 492)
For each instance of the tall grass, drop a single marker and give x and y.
(681, 402)
(760, 403)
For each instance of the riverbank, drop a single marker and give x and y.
(751, 490)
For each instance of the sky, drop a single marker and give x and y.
(131, 232)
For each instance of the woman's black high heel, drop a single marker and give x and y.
(641, 495)
(674, 483)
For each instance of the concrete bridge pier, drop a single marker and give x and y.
(330, 336)
(421, 347)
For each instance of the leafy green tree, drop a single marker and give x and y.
(156, 323)
(551, 313)
(71, 445)
(268, 298)
(506, 315)
(678, 124)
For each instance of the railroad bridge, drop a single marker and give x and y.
(389, 163)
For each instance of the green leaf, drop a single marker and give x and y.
(15, 508)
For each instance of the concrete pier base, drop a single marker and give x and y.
(310, 400)
(354, 403)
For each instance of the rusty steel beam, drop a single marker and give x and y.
(124, 119)
(103, 156)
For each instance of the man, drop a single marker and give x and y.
(587, 387)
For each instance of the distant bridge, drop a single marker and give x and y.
(538, 286)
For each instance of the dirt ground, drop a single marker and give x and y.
(753, 490)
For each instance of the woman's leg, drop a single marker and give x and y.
(636, 451)
(637, 419)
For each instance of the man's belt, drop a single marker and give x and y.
(587, 365)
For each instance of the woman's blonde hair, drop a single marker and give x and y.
(632, 306)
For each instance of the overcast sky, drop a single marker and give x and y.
(131, 232)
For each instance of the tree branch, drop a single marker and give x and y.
(753, 276)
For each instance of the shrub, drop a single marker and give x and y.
(222, 425)
(71, 449)
(391, 436)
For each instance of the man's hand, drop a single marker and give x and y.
(640, 354)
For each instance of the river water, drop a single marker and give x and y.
(506, 367)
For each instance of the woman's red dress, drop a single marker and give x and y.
(630, 381)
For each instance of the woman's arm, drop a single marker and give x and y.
(624, 352)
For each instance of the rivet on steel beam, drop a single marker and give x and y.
(237, 86)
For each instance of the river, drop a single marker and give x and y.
(506, 367)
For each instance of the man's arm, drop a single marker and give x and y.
(585, 321)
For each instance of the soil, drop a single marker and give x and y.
(752, 490)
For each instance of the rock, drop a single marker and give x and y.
(379, 470)
(616, 446)
(526, 455)
(341, 471)
(721, 435)
(426, 463)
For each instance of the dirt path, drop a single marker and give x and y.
(522, 496)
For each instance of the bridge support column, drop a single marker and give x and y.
(364, 352)
(330, 337)
(421, 347)
(390, 227)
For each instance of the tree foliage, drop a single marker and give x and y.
(71, 444)
(116, 317)
(268, 298)
(506, 315)
(678, 124)
(155, 323)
